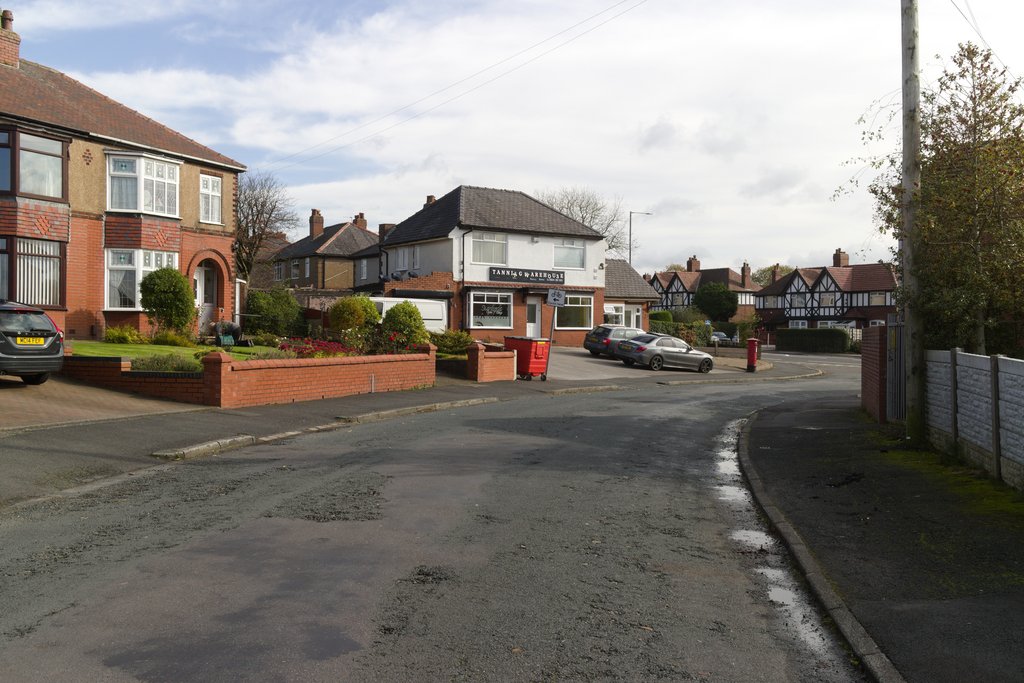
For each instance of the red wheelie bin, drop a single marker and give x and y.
(531, 356)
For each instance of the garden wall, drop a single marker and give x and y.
(227, 383)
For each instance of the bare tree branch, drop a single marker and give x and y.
(264, 208)
(588, 207)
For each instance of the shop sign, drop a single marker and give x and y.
(546, 277)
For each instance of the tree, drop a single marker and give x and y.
(275, 311)
(675, 266)
(168, 300)
(264, 208)
(968, 239)
(588, 207)
(763, 276)
(717, 302)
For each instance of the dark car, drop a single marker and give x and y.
(662, 351)
(31, 344)
(603, 338)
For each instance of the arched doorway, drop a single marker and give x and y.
(205, 282)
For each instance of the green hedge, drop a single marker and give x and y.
(812, 341)
(660, 316)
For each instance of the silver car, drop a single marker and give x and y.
(661, 351)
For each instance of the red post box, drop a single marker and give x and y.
(752, 354)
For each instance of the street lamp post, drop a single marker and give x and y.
(640, 213)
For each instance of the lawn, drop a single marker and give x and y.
(93, 349)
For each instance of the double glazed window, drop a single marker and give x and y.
(31, 164)
(145, 184)
(31, 270)
(490, 247)
(125, 270)
(797, 300)
(827, 299)
(576, 314)
(569, 253)
(490, 309)
(209, 199)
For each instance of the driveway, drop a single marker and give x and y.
(62, 400)
(575, 364)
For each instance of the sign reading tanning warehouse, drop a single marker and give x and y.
(544, 277)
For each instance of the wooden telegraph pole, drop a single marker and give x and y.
(913, 341)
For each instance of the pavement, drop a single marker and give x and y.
(922, 572)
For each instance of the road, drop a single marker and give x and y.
(589, 536)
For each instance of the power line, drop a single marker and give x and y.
(460, 82)
(973, 23)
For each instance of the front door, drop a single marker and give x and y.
(204, 281)
(533, 310)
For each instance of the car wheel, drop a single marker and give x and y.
(628, 361)
(705, 366)
(594, 353)
(657, 363)
(35, 379)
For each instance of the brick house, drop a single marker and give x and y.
(493, 255)
(325, 259)
(94, 195)
(678, 287)
(627, 295)
(840, 295)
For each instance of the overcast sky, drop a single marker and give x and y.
(733, 122)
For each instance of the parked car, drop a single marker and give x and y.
(31, 344)
(662, 351)
(720, 337)
(603, 338)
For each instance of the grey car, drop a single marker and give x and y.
(604, 338)
(662, 351)
(31, 345)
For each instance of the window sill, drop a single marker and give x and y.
(143, 213)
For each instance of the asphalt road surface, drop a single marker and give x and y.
(596, 536)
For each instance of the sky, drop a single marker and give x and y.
(732, 123)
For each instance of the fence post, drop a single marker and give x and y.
(954, 391)
(997, 446)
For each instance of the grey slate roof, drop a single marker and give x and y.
(486, 209)
(343, 239)
(622, 282)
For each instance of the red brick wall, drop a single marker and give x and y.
(231, 384)
(85, 287)
(873, 371)
(489, 366)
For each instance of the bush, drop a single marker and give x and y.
(172, 338)
(265, 339)
(273, 354)
(353, 313)
(124, 334)
(168, 362)
(168, 299)
(315, 348)
(664, 327)
(451, 342)
(660, 316)
(812, 341)
(403, 327)
(689, 314)
(275, 311)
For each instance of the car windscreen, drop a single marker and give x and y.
(644, 338)
(24, 321)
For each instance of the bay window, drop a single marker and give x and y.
(576, 314)
(490, 309)
(141, 183)
(490, 248)
(125, 270)
(569, 253)
(31, 271)
(209, 198)
(39, 163)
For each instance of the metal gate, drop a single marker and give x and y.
(895, 372)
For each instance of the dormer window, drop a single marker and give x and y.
(142, 184)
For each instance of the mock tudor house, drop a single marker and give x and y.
(840, 295)
(94, 195)
(325, 259)
(627, 295)
(676, 288)
(494, 255)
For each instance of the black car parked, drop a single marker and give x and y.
(604, 338)
(31, 344)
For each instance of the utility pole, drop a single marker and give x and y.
(913, 326)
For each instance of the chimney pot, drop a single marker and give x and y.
(430, 200)
(7, 20)
(360, 220)
(10, 42)
(692, 264)
(840, 258)
(316, 223)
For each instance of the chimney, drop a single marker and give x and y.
(840, 258)
(775, 272)
(745, 280)
(10, 42)
(360, 220)
(430, 200)
(316, 223)
(692, 264)
(384, 228)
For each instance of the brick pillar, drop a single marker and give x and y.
(474, 356)
(873, 369)
(216, 380)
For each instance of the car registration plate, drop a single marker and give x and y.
(29, 341)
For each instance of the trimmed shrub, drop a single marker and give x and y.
(451, 342)
(812, 341)
(275, 311)
(265, 339)
(167, 299)
(689, 314)
(168, 362)
(660, 316)
(124, 334)
(353, 312)
(172, 338)
(663, 327)
(403, 327)
(273, 354)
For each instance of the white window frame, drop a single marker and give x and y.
(797, 324)
(294, 270)
(363, 268)
(142, 262)
(821, 299)
(575, 250)
(279, 270)
(873, 295)
(798, 296)
(490, 298)
(615, 314)
(307, 267)
(577, 301)
(876, 323)
(152, 174)
(482, 239)
(210, 199)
